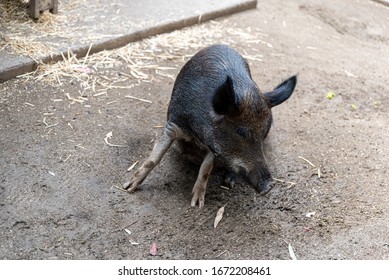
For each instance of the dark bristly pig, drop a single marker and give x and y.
(218, 114)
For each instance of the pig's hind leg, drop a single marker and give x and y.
(170, 133)
(202, 179)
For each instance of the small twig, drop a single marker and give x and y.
(291, 252)
(66, 159)
(130, 224)
(124, 228)
(29, 104)
(287, 182)
(222, 253)
(87, 54)
(81, 147)
(109, 136)
(80, 100)
(140, 99)
(310, 163)
(132, 166)
(51, 125)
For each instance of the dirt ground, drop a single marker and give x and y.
(59, 177)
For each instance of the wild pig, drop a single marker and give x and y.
(217, 112)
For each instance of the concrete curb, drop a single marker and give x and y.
(24, 65)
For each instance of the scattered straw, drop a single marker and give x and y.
(291, 184)
(76, 99)
(33, 38)
(28, 46)
(310, 163)
(29, 104)
(109, 136)
(146, 61)
(132, 166)
(26, 36)
(291, 252)
(130, 224)
(137, 98)
(222, 253)
(67, 158)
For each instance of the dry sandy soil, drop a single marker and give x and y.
(58, 198)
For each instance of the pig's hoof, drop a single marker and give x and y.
(266, 187)
(198, 197)
(231, 180)
(131, 185)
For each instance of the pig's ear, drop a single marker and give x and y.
(226, 101)
(282, 92)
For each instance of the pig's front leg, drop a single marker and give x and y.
(202, 179)
(169, 134)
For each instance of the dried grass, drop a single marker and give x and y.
(13, 10)
(27, 46)
(123, 68)
(70, 67)
(21, 35)
(145, 60)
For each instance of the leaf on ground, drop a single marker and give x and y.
(219, 216)
(154, 249)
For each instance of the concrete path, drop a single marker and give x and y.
(92, 26)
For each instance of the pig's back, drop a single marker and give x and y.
(198, 80)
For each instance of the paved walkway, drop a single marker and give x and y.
(95, 25)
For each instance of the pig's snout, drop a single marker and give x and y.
(265, 187)
(256, 174)
(260, 179)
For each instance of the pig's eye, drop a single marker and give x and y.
(245, 133)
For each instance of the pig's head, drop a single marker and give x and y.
(243, 119)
